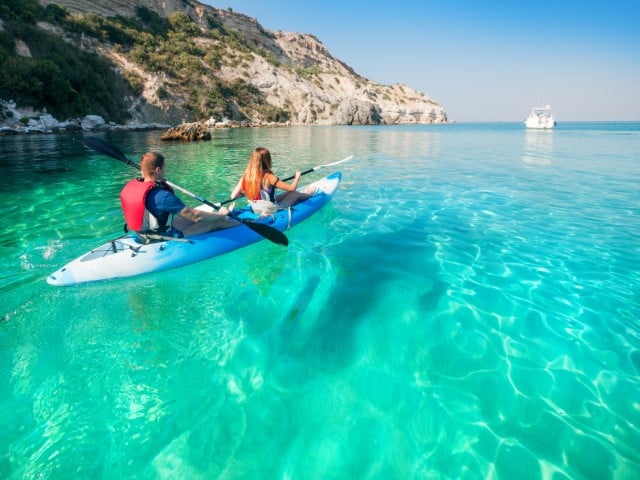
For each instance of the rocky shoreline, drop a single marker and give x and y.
(14, 121)
(76, 126)
(22, 122)
(26, 121)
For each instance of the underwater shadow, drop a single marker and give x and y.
(373, 270)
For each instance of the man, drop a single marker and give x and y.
(151, 207)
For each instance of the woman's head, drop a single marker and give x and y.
(261, 159)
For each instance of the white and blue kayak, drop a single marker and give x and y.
(127, 257)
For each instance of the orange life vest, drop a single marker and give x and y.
(267, 193)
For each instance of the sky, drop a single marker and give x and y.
(481, 60)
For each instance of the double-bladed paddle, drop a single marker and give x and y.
(268, 232)
(318, 167)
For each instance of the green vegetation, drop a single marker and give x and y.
(269, 57)
(58, 76)
(70, 82)
(308, 72)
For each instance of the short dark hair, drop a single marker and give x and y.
(150, 161)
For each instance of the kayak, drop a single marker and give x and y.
(126, 256)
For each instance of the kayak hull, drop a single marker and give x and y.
(126, 257)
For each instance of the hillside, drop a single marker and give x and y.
(168, 61)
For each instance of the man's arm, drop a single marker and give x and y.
(196, 215)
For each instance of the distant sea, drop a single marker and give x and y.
(468, 306)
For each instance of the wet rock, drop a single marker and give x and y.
(187, 132)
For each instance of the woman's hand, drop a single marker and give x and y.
(296, 179)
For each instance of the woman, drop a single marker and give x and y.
(259, 183)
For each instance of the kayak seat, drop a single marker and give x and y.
(265, 208)
(146, 238)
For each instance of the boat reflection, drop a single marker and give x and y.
(538, 147)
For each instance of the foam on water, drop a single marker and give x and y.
(466, 307)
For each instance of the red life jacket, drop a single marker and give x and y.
(132, 199)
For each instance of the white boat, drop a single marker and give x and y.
(540, 117)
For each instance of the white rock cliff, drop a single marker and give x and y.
(305, 79)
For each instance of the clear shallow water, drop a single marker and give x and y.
(467, 307)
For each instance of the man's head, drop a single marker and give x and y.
(152, 166)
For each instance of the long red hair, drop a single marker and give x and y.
(259, 165)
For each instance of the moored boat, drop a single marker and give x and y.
(126, 256)
(540, 117)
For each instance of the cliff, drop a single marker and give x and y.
(265, 76)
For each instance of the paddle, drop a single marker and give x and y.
(268, 232)
(318, 167)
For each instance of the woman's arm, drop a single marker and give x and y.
(237, 191)
(284, 185)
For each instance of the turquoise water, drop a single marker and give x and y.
(468, 306)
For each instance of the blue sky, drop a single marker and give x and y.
(490, 60)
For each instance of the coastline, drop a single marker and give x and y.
(19, 121)
(45, 124)
(14, 131)
(25, 121)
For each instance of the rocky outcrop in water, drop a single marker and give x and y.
(188, 132)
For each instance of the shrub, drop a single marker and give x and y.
(27, 11)
(60, 77)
